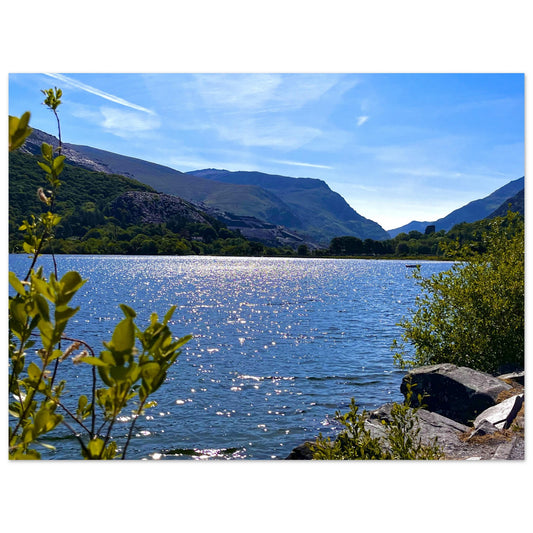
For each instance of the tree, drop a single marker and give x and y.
(473, 314)
(303, 249)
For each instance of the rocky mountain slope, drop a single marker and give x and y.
(307, 207)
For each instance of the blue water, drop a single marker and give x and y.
(279, 346)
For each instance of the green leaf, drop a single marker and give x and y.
(47, 151)
(58, 164)
(21, 454)
(94, 361)
(18, 130)
(123, 338)
(16, 284)
(42, 306)
(45, 167)
(63, 313)
(128, 311)
(34, 372)
(95, 447)
(69, 283)
(149, 371)
(82, 404)
(169, 314)
(28, 248)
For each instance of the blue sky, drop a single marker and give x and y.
(397, 147)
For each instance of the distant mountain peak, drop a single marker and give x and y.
(471, 212)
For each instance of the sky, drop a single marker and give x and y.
(397, 147)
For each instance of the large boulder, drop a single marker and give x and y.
(458, 393)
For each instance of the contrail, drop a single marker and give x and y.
(98, 92)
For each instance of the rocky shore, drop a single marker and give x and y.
(473, 415)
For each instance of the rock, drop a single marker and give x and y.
(140, 207)
(517, 377)
(432, 426)
(458, 393)
(301, 452)
(483, 428)
(501, 415)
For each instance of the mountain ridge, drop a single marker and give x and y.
(470, 212)
(307, 198)
(313, 212)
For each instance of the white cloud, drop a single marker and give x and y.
(299, 164)
(260, 93)
(266, 133)
(242, 91)
(125, 123)
(361, 120)
(120, 122)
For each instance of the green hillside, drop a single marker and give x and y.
(113, 214)
(320, 212)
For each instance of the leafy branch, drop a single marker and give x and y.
(131, 368)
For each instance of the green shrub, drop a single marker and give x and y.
(401, 441)
(473, 314)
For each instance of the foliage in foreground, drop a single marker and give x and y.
(133, 365)
(473, 314)
(401, 441)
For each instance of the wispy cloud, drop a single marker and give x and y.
(361, 120)
(265, 110)
(267, 133)
(125, 123)
(261, 92)
(120, 122)
(300, 164)
(92, 90)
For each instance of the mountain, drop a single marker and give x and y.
(307, 207)
(515, 203)
(471, 212)
(318, 211)
(113, 214)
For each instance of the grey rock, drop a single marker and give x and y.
(483, 428)
(502, 414)
(458, 393)
(432, 426)
(517, 377)
(154, 208)
(301, 452)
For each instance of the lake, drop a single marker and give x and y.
(280, 344)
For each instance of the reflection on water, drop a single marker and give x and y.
(279, 345)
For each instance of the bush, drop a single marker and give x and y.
(473, 314)
(402, 437)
